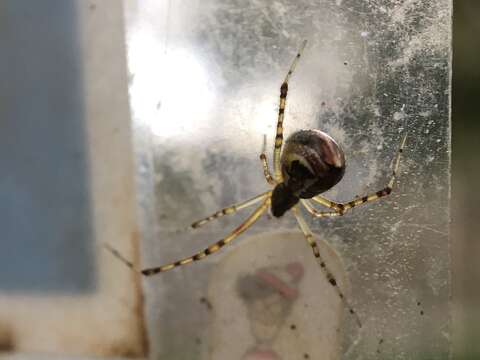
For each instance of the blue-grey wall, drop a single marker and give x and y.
(45, 225)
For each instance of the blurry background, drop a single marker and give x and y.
(466, 176)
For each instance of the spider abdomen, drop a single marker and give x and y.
(312, 162)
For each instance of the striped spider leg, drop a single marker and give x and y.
(266, 170)
(341, 208)
(323, 265)
(202, 254)
(281, 114)
(230, 210)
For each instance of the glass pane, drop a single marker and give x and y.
(205, 85)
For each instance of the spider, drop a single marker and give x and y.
(310, 164)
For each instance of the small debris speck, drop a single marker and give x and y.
(207, 303)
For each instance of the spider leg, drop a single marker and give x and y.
(229, 210)
(200, 255)
(281, 113)
(341, 208)
(317, 213)
(331, 279)
(263, 159)
(266, 170)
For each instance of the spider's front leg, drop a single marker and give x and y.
(213, 248)
(229, 210)
(341, 208)
(281, 114)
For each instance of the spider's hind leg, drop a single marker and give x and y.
(328, 274)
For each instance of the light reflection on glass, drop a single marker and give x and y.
(170, 90)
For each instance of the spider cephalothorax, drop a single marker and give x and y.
(312, 162)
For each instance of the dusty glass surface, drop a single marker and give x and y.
(205, 78)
